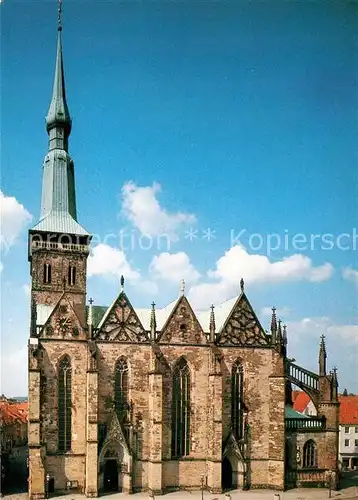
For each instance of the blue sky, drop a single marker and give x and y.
(245, 115)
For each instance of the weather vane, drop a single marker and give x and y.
(59, 19)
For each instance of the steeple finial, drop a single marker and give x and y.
(322, 357)
(58, 120)
(153, 322)
(334, 384)
(284, 335)
(242, 285)
(274, 325)
(90, 318)
(212, 324)
(122, 283)
(182, 288)
(90, 312)
(279, 332)
(59, 18)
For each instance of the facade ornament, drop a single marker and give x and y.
(153, 323)
(274, 325)
(182, 288)
(242, 285)
(59, 18)
(284, 335)
(122, 283)
(322, 357)
(212, 324)
(279, 332)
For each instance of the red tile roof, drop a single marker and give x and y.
(13, 412)
(300, 400)
(348, 411)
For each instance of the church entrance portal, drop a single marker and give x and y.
(110, 479)
(226, 474)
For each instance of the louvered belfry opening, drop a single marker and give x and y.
(181, 410)
(121, 389)
(237, 404)
(64, 405)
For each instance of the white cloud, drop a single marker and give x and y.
(26, 289)
(173, 267)
(142, 208)
(350, 274)
(1, 266)
(105, 260)
(237, 263)
(14, 217)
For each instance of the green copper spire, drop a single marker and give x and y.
(58, 117)
(58, 204)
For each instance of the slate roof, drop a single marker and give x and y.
(59, 221)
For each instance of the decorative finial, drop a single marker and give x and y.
(90, 312)
(242, 285)
(284, 335)
(279, 332)
(59, 18)
(212, 325)
(322, 356)
(153, 322)
(182, 287)
(122, 283)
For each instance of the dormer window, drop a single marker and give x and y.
(47, 273)
(71, 275)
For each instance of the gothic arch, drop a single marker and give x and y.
(121, 388)
(181, 408)
(64, 397)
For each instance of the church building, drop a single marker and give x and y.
(129, 399)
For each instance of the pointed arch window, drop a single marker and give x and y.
(47, 273)
(121, 389)
(181, 410)
(237, 403)
(71, 275)
(64, 404)
(310, 454)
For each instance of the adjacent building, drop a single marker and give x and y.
(123, 398)
(348, 425)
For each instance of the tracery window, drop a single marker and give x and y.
(237, 403)
(181, 410)
(64, 404)
(121, 389)
(310, 454)
(47, 273)
(71, 275)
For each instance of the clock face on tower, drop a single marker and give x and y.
(63, 324)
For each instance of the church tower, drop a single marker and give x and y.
(58, 244)
(57, 353)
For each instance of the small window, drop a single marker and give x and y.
(47, 273)
(309, 454)
(346, 442)
(356, 430)
(356, 442)
(71, 275)
(346, 430)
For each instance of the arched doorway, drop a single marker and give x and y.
(110, 477)
(226, 474)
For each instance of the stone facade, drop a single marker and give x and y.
(141, 446)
